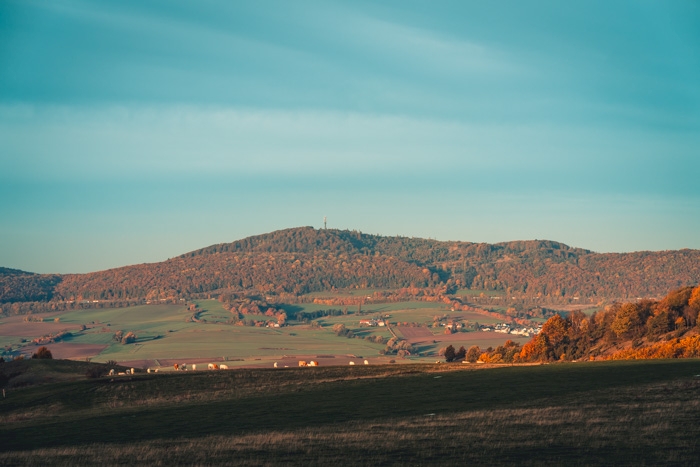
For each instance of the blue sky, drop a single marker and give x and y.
(133, 131)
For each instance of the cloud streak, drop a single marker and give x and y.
(50, 142)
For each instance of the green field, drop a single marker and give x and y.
(346, 293)
(213, 312)
(411, 311)
(611, 413)
(477, 292)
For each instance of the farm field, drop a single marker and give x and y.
(478, 292)
(400, 312)
(166, 333)
(347, 293)
(609, 413)
(421, 309)
(423, 336)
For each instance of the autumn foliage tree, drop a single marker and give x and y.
(123, 338)
(551, 343)
(43, 353)
(473, 354)
(129, 338)
(341, 331)
(630, 320)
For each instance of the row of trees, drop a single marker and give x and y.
(399, 347)
(24, 308)
(634, 324)
(306, 316)
(509, 352)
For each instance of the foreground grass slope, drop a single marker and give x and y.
(597, 413)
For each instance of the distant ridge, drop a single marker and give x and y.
(304, 259)
(14, 272)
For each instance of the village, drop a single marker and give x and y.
(505, 328)
(453, 326)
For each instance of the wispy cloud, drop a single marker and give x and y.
(426, 50)
(133, 142)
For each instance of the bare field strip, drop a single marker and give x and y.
(16, 326)
(421, 335)
(70, 351)
(414, 334)
(480, 338)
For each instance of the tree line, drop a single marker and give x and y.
(666, 328)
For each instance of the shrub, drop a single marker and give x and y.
(129, 338)
(94, 371)
(43, 353)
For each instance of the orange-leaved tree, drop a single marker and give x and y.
(43, 353)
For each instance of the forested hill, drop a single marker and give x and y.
(417, 250)
(304, 259)
(13, 272)
(22, 286)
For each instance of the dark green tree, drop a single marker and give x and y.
(450, 353)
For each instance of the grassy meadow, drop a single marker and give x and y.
(601, 413)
